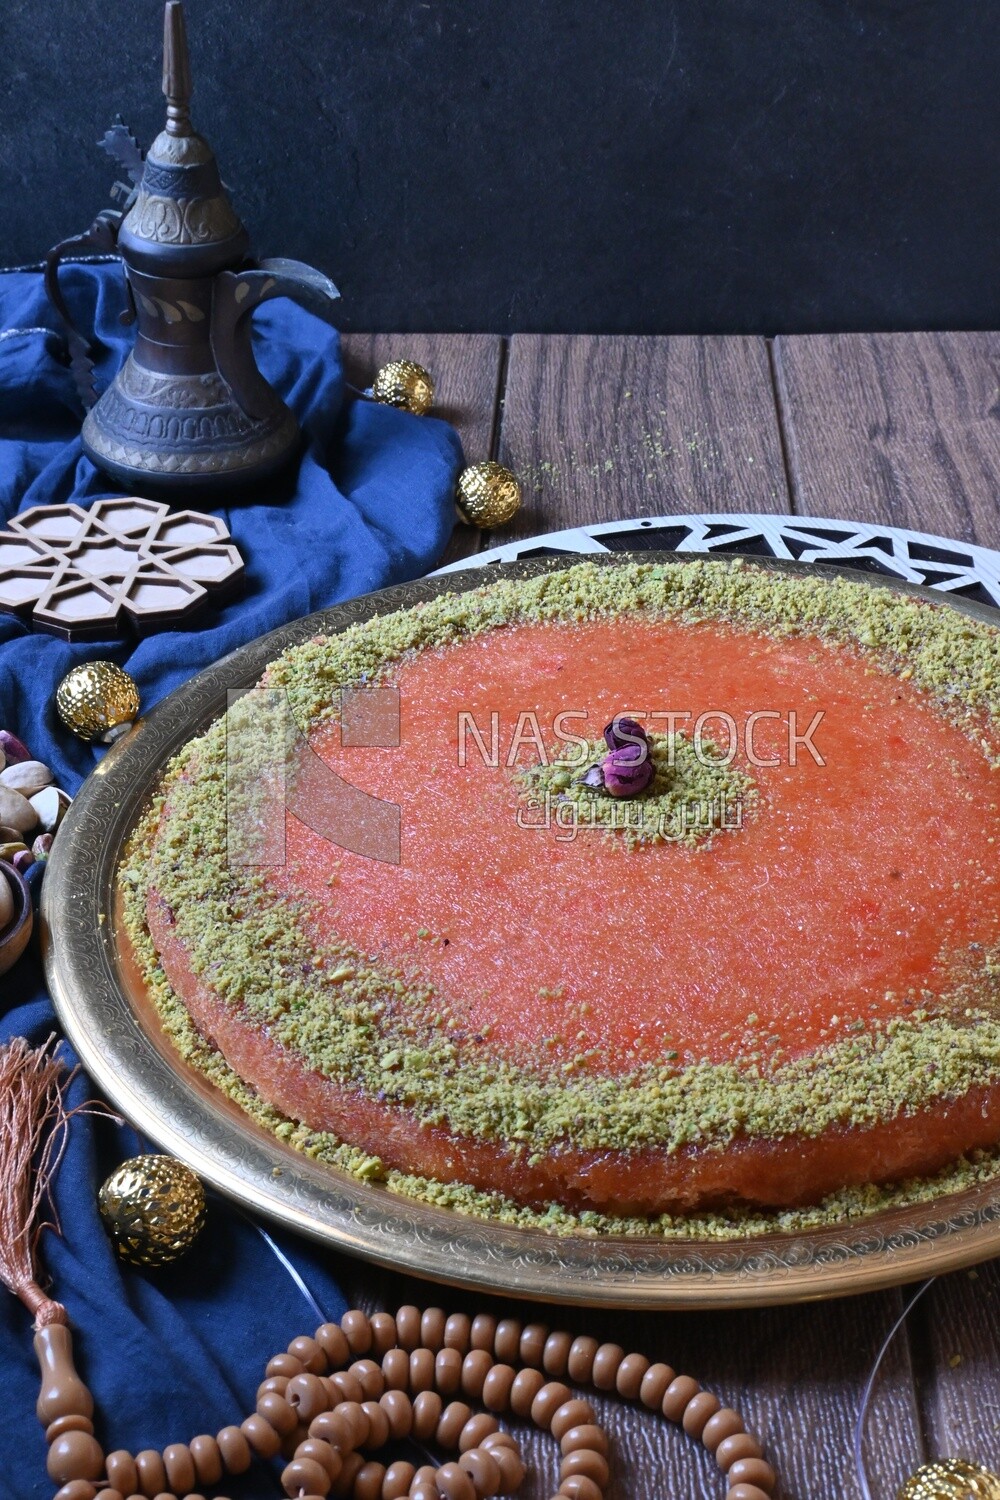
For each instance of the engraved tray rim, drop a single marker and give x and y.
(167, 1100)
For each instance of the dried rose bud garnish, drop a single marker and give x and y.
(628, 767)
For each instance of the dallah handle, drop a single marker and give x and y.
(236, 294)
(103, 236)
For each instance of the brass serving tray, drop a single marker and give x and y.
(115, 1029)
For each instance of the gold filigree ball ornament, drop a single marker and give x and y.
(406, 385)
(153, 1208)
(951, 1479)
(488, 495)
(98, 701)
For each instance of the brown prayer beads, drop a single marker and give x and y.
(366, 1381)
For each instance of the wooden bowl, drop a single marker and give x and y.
(14, 937)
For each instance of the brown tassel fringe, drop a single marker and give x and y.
(33, 1120)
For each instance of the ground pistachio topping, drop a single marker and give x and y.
(387, 1031)
(693, 796)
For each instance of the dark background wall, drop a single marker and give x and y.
(606, 165)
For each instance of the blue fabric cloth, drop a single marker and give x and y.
(181, 1351)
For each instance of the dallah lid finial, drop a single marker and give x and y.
(176, 69)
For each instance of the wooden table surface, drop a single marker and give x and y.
(897, 428)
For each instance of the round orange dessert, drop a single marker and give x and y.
(643, 888)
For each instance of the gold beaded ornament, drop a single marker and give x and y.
(951, 1479)
(97, 700)
(406, 385)
(333, 1399)
(488, 495)
(153, 1208)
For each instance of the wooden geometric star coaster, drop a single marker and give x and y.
(123, 565)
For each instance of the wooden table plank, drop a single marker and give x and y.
(958, 1323)
(903, 428)
(467, 370)
(598, 428)
(898, 427)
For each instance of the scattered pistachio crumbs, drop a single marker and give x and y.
(691, 798)
(388, 1033)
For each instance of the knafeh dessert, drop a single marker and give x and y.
(692, 903)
